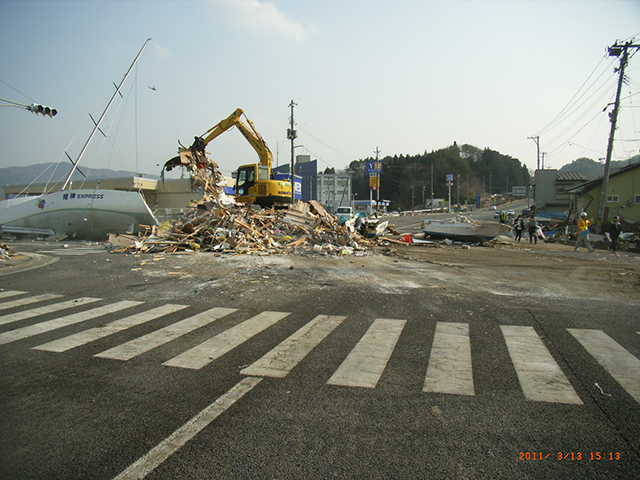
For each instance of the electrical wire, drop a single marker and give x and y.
(567, 106)
(13, 88)
(323, 143)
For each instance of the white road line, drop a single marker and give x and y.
(10, 293)
(55, 307)
(449, 369)
(73, 251)
(364, 366)
(540, 376)
(621, 365)
(82, 338)
(207, 352)
(143, 344)
(29, 300)
(281, 360)
(56, 323)
(146, 464)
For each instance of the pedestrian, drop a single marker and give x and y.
(615, 229)
(533, 227)
(583, 232)
(503, 217)
(518, 226)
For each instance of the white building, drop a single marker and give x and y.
(334, 190)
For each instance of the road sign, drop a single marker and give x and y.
(374, 166)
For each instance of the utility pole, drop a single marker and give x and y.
(378, 173)
(292, 135)
(537, 140)
(614, 51)
(432, 187)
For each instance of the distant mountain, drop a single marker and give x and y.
(26, 175)
(592, 169)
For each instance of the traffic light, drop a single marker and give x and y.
(42, 110)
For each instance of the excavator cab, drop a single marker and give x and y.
(255, 185)
(245, 181)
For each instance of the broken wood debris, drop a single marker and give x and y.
(301, 228)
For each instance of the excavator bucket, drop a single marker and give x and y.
(183, 159)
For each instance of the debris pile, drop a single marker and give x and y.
(305, 227)
(5, 252)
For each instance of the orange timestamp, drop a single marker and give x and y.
(595, 456)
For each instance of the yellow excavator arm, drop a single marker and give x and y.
(250, 134)
(254, 183)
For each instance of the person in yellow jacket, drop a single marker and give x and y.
(583, 232)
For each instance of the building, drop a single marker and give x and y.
(334, 190)
(623, 196)
(307, 170)
(551, 189)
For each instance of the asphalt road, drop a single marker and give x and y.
(169, 367)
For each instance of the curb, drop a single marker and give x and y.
(21, 262)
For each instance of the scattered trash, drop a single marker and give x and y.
(304, 227)
(602, 391)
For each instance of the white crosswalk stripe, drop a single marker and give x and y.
(140, 345)
(615, 359)
(79, 250)
(449, 368)
(540, 376)
(10, 293)
(25, 332)
(214, 348)
(281, 360)
(27, 301)
(55, 307)
(363, 367)
(82, 338)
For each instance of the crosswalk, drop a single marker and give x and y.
(449, 369)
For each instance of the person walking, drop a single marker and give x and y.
(533, 227)
(518, 226)
(583, 232)
(615, 229)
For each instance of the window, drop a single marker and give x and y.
(561, 192)
(637, 199)
(613, 199)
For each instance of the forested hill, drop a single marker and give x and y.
(592, 169)
(406, 180)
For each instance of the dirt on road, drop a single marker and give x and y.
(599, 273)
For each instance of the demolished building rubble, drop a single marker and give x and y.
(209, 226)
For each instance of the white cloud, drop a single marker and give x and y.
(160, 51)
(264, 18)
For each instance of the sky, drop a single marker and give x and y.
(401, 76)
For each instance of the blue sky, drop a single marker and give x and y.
(404, 76)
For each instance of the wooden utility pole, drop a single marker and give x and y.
(621, 51)
(292, 135)
(378, 183)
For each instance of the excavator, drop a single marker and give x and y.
(255, 183)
